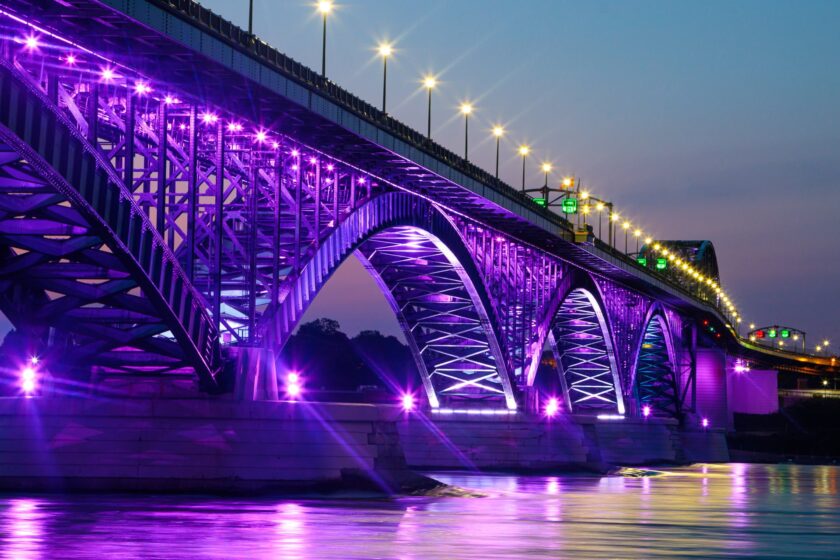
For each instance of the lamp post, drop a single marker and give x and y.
(325, 7)
(546, 169)
(498, 132)
(385, 50)
(600, 208)
(250, 17)
(637, 234)
(466, 109)
(429, 82)
(524, 151)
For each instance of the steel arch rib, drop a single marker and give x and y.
(37, 130)
(581, 341)
(394, 212)
(658, 383)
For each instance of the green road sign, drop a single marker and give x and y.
(642, 261)
(540, 201)
(785, 333)
(661, 263)
(570, 206)
(771, 333)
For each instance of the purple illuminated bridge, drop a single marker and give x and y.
(174, 193)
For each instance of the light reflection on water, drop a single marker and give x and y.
(705, 511)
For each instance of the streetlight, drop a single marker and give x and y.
(429, 82)
(524, 150)
(614, 217)
(385, 50)
(637, 234)
(466, 109)
(546, 168)
(498, 132)
(325, 7)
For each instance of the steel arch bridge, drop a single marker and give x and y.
(149, 224)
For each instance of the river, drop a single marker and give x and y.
(702, 511)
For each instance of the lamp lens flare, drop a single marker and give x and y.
(407, 402)
(552, 407)
(498, 131)
(385, 49)
(325, 7)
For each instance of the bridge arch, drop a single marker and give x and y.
(427, 275)
(81, 267)
(654, 379)
(580, 340)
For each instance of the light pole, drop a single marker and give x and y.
(250, 17)
(546, 168)
(626, 226)
(385, 50)
(325, 7)
(524, 151)
(498, 132)
(600, 208)
(429, 82)
(637, 234)
(466, 109)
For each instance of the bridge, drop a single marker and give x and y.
(174, 193)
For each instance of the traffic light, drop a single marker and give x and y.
(760, 334)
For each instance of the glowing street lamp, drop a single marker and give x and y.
(466, 109)
(429, 82)
(498, 132)
(546, 168)
(325, 7)
(524, 150)
(385, 50)
(626, 225)
(637, 234)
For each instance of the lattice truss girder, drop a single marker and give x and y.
(584, 355)
(656, 383)
(439, 309)
(56, 270)
(523, 286)
(243, 212)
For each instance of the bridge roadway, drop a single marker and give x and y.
(204, 187)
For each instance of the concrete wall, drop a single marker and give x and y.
(754, 392)
(632, 441)
(194, 444)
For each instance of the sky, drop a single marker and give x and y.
(711, 120)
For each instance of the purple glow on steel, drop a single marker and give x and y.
(70, 59)
(234, 127)
(293, 390)
(646, 410)
(313, 161)
(407, 402)
(330, 167)
(31, 42)
(552, 407)
(275, 145)
(295, 167)
(141, 88)
(107, 74)
(704, 422)
(209, 118)
(169, 100)
(295, 153)
(293, 378)
(182, 126)
(261, 136)
(361, 180)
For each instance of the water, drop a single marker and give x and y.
(715, 511)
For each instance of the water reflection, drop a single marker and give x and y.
(706, 511)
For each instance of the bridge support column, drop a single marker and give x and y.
(711, 383)
(256, 374)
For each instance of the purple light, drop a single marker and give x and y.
(408, 402)
(31, 42)
(27, 380)
(182, 126)
(646, 410)
(141, 88)
(294, 167)
(361, 180)
(169, 100)
(552, 407)
(293, 378)
(261, 136)
(330, 167)
(234, 127)
(295, 153)
(107, 75)
(293, 390)
(209, 118)
(705, 422)
(275, 145)
(313, 161)
(71, 60)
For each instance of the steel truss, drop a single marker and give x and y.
(655, 380)
(583, 350)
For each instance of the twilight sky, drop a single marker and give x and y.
(701, 120)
